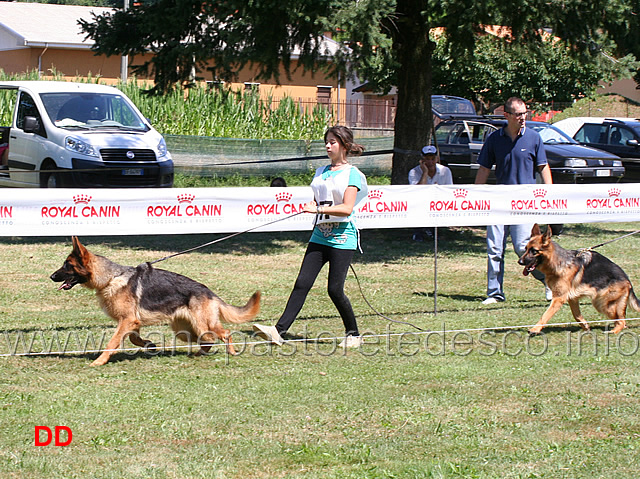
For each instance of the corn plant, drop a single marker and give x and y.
(201, 111)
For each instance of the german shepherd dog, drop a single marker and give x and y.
(573, 274)
(143, 295)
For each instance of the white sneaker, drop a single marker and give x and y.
(351, 342)
(492, 300)
(548, 294)
(268, 333)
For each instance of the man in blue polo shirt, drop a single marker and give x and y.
(518, 154)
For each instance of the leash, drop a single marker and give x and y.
(610, 241)
(223, 238)
(374, 309)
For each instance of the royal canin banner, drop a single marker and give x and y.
(63, 212)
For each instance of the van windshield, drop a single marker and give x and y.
(91, 111)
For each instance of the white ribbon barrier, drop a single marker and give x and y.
(63, 212)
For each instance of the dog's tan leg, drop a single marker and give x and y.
(577, 314)
(137, 340)
(207, 337)
(225, 336)
(124, 327)
(554, 307)
(218, 333)
(620, 324)
(617, 309)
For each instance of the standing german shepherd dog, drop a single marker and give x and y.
(144, 295)
(573, 274)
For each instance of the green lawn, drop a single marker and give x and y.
(467, 403)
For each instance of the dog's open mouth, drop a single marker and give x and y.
(67, 284)
(529, 267)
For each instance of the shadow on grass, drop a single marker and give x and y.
(124, 357)
(377, 245)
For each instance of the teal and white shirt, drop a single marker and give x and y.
(328, 189)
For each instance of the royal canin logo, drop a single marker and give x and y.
(184, 208)
(539, 202)
(375, 204)
(81, 209)
(284, 196)
(614, 201)
(282, 206)
(186, 198)
(539, 193)
(82, 199)
(459, 203)
(6, 212)
(460, 193)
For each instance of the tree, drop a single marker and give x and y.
(389, 41)
(188, 37)
(497, 67)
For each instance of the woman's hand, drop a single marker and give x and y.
(310, 207)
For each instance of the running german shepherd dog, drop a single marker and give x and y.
(573, 274)
(144, 295)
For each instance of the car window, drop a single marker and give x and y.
(90, 110)
(590, 133)
(480, 132)
(442, 132)
(620, 135)
(459, 135)
(26, 107)
(452, 106)
(551, 135)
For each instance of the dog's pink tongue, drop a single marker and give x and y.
(526, 271)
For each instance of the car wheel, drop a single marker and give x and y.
(51, 179)
(557, 229)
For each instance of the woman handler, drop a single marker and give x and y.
(337, 189)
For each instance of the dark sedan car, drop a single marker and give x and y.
(620, 136)
(461, 140)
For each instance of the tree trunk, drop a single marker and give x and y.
(414, 118)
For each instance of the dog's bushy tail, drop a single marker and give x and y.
(633, 300)
(235, 314)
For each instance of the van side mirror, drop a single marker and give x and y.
(31, 124)
(632, 143)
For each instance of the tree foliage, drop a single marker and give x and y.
(497, 67)
(389, 45)
(188, 37)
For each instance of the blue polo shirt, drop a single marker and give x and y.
(516, 161)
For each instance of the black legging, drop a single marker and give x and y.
(314, 259)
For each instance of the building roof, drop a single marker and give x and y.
(51, 25)
(45, 24)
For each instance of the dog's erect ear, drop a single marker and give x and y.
(546, 238)
(78, 248)
(535, 231)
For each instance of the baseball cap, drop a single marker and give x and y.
(429, 150)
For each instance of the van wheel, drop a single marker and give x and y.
(51, 180)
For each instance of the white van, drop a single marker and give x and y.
(85, 135)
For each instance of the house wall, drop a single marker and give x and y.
(70, 63)
(14, 61)
(83, 63)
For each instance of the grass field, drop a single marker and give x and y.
(463, 403)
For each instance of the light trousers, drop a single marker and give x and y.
(496, 245)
